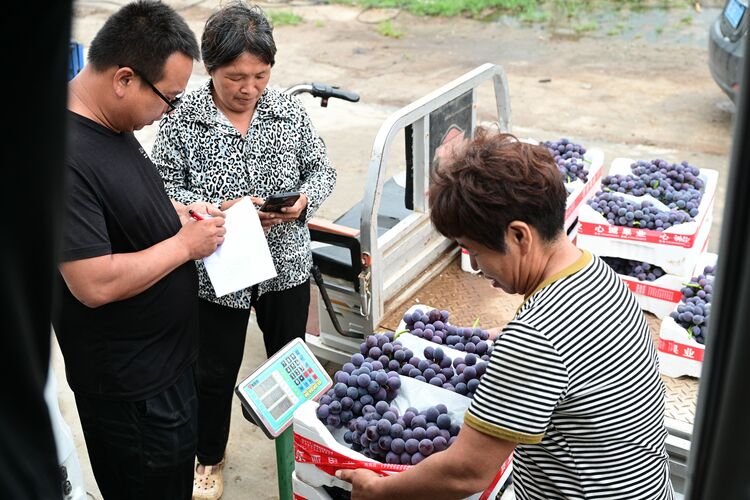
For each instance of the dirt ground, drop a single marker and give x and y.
(638, 86)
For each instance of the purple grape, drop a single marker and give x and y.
(443, 421)
(394, 383)
(407, 417)
(323, 411)
(335, 406)
(472, 385)
(384, 443)
(411, 446)
(397, 430)
(397, 445)
(418, 421)
(431, 414)
(439, 444)
(340, 388)
(432, 432)
(426, 447)
(419, 433)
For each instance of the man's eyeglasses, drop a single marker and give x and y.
(172, 103)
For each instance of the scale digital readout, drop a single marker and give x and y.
(733, 12)
(279, 386)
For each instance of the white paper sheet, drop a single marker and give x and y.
(243, 259)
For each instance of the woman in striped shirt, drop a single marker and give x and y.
(572, 388)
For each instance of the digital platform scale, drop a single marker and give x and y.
(272, 393)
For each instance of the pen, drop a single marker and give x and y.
(195, 215)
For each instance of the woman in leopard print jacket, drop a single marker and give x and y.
(235, 137)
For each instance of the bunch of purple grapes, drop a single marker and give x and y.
(677, 185)
(644, 215)
(643, 271)
(434, 326)
(381, 434)
(695, 306)
(460, 375)
(569, 159)
(358, 384)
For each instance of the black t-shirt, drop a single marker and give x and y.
(134, 348)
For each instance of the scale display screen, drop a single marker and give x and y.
(279, 386)
(734, 12)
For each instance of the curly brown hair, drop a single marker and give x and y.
(492, 180)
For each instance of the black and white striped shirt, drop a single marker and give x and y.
(574, 380)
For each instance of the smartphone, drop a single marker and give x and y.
(276, 202)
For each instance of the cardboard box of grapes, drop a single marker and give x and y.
(581, 172)
(678, 353)
(682, 337)
(656, 291)
(319, 451)
(676, 248)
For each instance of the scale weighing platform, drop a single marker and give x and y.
(272, 393)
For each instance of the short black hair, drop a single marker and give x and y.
(234, 29)
(142, 35)
(491, 181)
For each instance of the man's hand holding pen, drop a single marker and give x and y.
(204, 231)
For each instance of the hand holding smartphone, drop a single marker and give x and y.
(276, 202)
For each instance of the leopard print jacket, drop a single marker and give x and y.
(202, 157)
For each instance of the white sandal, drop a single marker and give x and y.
(210, 484)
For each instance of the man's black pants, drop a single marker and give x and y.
(143, 449)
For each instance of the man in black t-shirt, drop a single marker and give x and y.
(126, 319)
